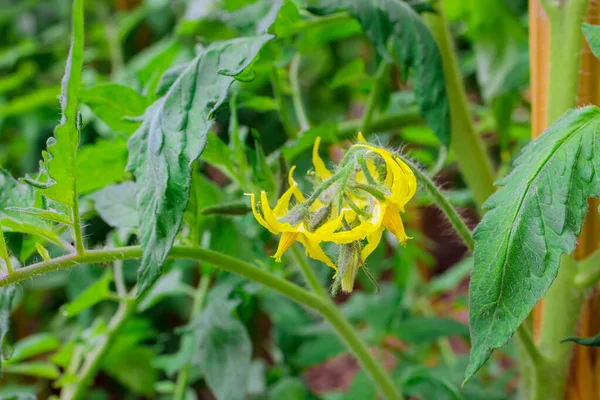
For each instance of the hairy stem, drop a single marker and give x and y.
(307, 272)
(443, 203)
(324, 306)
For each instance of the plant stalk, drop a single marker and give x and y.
(325, 307)
(297, 94)
(383, 71)
(471, 155)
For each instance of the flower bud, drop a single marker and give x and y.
(319, 218)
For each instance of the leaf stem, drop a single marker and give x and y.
(324, 306)
(297, 94)
(443, 203)
(277, 86)
(199, 297)
(526, 338)
(383, 72)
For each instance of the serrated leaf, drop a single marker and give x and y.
(116, 205)
(57, 181)
(533, 219)
(170, 284)
(101, 164)
(115, 105)
(92, 295)
(171, 137)
(394, 23)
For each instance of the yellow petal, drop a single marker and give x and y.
(373, 240)
(361, 231)
(258, 217)
(282, 206)
(275, 226)
(315, 251)
(297, 192)
(393, 223)
(361, 138)
(285, 242)
(320, 168)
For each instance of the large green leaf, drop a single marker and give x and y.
(398, 32)
(172, 136)
(57, 180)
(532, 220)
(101, 164)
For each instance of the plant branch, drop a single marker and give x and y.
(443, 203)
(383, 72)
(184, 373)
(471, 154)
(277, 86)
(324, 306)
(297, 94)
(307, 272)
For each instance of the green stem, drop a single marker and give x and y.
(297, 94)
(4, 253)
(324, 306)
(471, 155)
(277, 86)
(307, 272)
(443, 203)
(588, 273)
(383, 72)
(184, 373)
(93, 360)
(529, 346)
(380, 123)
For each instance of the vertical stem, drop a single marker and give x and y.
(383, 72)
(277, 86)
(297, 94)
(307, 272)
(471, 155)
(184, 373)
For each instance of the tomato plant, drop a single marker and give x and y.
(288, 199)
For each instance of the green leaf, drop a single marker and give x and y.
(362, 388)
(349, 74)
(32, 346)
(171, 137)
(59, 165)
(420, 382)
(224, 349)
(39, 369)
(48, 214)
(95, 293)
(395, 24)
(133, 368)
(116, 205)
(533, 219)
(592, 34)
(593, 341)
(113, 104)
(101, 164)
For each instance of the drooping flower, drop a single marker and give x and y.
(350, 206)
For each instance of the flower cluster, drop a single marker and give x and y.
(350, 207)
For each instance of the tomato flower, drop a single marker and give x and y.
(350, 206)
